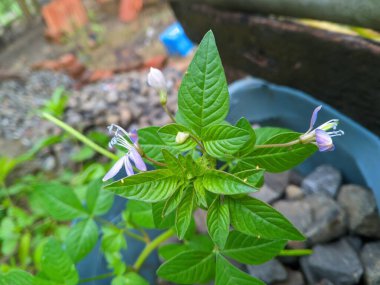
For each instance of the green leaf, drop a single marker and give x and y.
(192, 168)
(220, 182)
(59, 201)
(278, 159)
(189, 267)
(168, 251)
(254, 217)
(218, 222)
(203, 97)
(266, 133)
(98, 200)
(169, 133)
(253, 177)
(251, 250)
(57, 265)
(200, 243)
(222, 140)
(131, 278)
(140, 214)
(200, 192)
(160, 220)
(173, 202)
(184, 213)
(152, 144)
(16, 277)
(84, 153)
(9, 236)
(150, 186)
(115, 262)
(227, 274)
(173, 163)
(113, 239)
(81, 239)
(244, 124)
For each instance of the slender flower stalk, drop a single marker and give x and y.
(128, 142)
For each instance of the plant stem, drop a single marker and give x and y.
(126, 231)
(151, 246)
(99, 277)
(153, 161)
(278, 145)
(135, 236)
(79, 136)
(224, 166)
(168, 112)
(199, 143)
(295, 252)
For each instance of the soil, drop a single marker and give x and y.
(117, 42)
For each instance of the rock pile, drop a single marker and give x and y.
(342, 226)
(124, 99)
(19, 101)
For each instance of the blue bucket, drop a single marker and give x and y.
(175, 40)
(357, 153)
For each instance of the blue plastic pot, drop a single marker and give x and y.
(357, 153)
(95, 264)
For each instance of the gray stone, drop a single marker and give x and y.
(269, 272)
(277, 181)
(294, 278)
(319, 217)
(337, 262)
(266, 194)
(355, 242)
(360, 206)
(293, 192)
(324, 179)
(325, 282)
(370, 256)
(295, 177)
(329, 219)
(298, 212)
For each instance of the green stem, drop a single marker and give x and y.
(278, 145)
(79, 136)
(126, 231)
(135, 236)
(224, 166)
(295, 252)
(199, 143)
(152, 246)
(153, 161)
(99, 277)
(168, 112)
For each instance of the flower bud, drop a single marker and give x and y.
(163, 97)
(181, 137)
(157, 80)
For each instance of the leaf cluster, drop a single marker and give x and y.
(214, 170)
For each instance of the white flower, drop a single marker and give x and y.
(157, 80)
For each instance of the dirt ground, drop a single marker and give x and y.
(117, 42)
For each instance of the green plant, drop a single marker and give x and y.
(202, 162)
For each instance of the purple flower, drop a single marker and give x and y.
(319, 136)
(127, 141)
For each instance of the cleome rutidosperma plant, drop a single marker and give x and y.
(201, 161)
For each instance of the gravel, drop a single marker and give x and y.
(19, 101)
